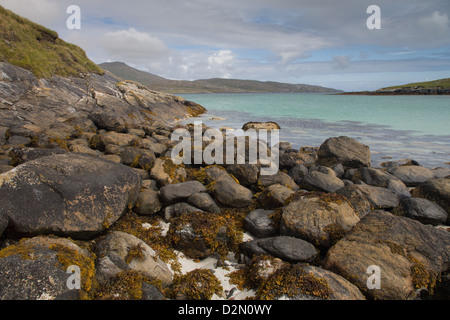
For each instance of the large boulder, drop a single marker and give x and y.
(345, 150)
(119, 251)
(232, 194)
(319, 220)
(436, 190)
(38, 269)
(73, 195)
(407, 254)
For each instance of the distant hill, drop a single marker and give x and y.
(214, 85)
(435, 87)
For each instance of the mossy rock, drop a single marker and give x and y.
(37, 268)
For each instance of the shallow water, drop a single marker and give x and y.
(394, 127)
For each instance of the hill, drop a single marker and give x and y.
(40, 50)
(214, 85)
(435, 87)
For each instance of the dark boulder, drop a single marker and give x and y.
(73, 195)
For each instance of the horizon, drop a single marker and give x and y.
(348, 47)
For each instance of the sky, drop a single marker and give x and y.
(321, 42)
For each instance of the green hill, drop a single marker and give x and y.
(38, 49)
(214, 85)
(442, 83)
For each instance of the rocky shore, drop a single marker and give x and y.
(92, 206)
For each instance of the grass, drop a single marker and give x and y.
(40, 50)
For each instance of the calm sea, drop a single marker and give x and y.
(394, 127)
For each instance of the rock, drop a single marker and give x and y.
(137, 158)
(318, 220)
(291, 158)
(424, 210)
(274, 196)
(119, 251)
(298, 172)
(108, 122)
(409, 255)
(85, 149)
(286, 248)
(436, 190)
(4, 221)
(179, 209)
(247, 174)
(177, 192)
(441, 172)
(232, 194)
(37, 269)
(318, 181)
(345, 150)
(102, 140)
(381, 178)
(280, 177)
(377, 197)
(204, 202)
(270, 125)
(412, 175)
(158, 148)
(21, 155)
(200, 234)
(166, 172)
(259, 223)
(19, 141)
(341, 289)
(148, 202)
(72, 195)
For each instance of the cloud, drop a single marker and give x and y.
(341, 62)
(436, 23)
(133, 46)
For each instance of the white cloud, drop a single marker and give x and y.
(133, 46)
(435, 24)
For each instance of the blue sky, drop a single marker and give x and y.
(324, 42)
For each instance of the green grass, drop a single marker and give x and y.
(443, 83)
(40, 50)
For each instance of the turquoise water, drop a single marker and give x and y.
(394, 127)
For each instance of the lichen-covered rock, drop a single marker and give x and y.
(274, 196)
(119, 251)
(409, 255)
(72, 195)
(148, 202)
(38, 269)
(165, 172)
(318, 220)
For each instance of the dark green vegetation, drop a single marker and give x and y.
(40, 50)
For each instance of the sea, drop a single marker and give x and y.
(394, 127)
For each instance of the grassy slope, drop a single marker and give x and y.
(39, 49)
(444, 83)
